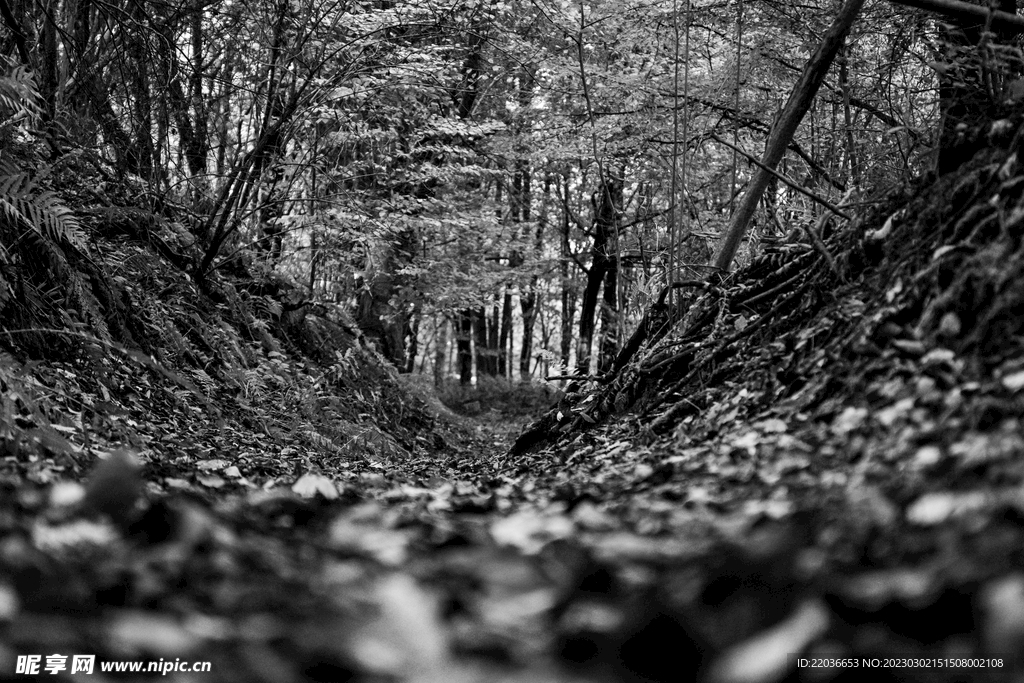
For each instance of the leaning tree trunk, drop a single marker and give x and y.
(799, 102)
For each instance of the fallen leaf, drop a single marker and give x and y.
(850, 419)
(9, 603)
(770, 655)
(407, 639)
(213, 464)
(1002, 603)
(773, 425)
(134, 633)
(927, 456)
(310, 485)
(530, 530)
(1014, 381)
(935, 508)
(211, 481)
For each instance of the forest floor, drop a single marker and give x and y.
(724, 551)
(818, 471)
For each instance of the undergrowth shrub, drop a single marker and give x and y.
(499, 395)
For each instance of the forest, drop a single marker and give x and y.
(491, 190)
(560, 341)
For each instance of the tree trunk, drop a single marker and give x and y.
(528, 301)
(175, 99)
(568, 291)
(607, 204)
(464, 99)
(17, 32)
(48, 64)
(198, 148)
(609, 347)
(610, 327)
(528, 304)
(851, 160)
(412, 331)
(138, 50)
(483, 350)
(222, 102)
(505, 334)
(493, 323)
(543, 363)
(440, 349)
(97, 98)
(463, 344)
(799, 102)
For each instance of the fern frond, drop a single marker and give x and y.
(19, 96)
(6, 293)
(24, 204)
